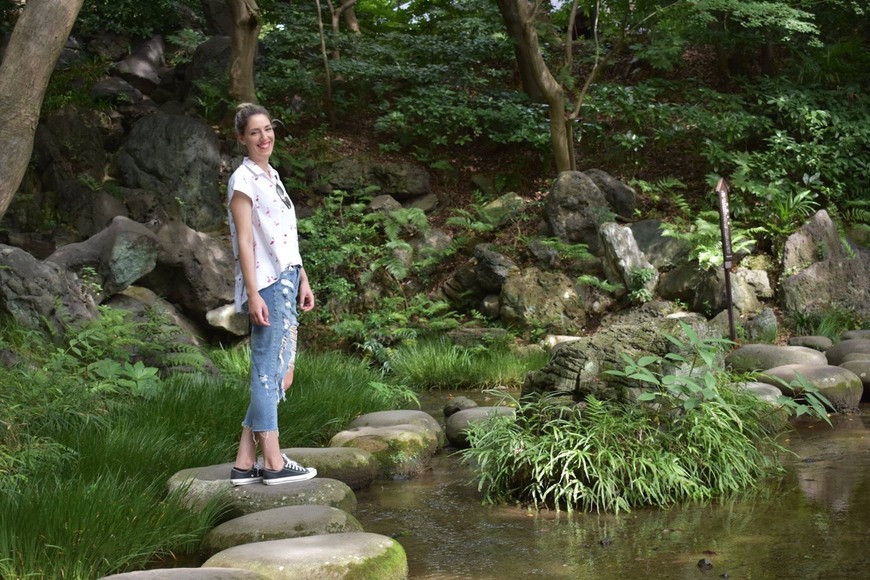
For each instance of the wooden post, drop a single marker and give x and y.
(725, 224)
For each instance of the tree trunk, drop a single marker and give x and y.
(520, 15)
(246, 28)
(351, 21)
(510, 15)
(40, 33)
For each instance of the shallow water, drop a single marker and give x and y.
(815, 523)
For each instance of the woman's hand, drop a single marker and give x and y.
(258, 312)
(306, 296)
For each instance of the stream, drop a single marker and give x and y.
(813, 523)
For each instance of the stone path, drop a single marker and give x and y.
(307, 529)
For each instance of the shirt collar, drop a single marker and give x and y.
(257, 169)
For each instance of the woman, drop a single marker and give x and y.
(270, 282)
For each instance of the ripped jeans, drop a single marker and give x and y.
(273, 352)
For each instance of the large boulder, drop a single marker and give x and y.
(194, 269)
(177, 157)
(402, 181)
(624, 262)
(532, 298)
(578, 368)
(38, 294)
(119, 255)
(621, 198)
(819, 274)
(664, 252)
(575, 208)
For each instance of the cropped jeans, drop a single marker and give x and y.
(273, 352)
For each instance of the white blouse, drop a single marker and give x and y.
(276, 243)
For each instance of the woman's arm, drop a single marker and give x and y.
(242, 207)
(306, 296)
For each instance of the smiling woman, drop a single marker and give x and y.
(270, 283)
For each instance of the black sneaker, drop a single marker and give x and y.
(292, 471)
(246, 476)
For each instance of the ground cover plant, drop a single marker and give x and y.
(694, 435)
(85, 452)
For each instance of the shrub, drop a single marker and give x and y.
(693, 435)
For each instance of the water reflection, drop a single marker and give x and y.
(812, 524)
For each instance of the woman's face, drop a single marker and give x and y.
(258, 138)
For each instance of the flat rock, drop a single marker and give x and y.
(820, 343)
(855, 356)
(190, 574)
(758, 357)
(296, 521)
(764, 391)
(836, 353)
(356, 467)
(402, 417)
(850, 334)
(357, 555)
(204, 484)
(860, 368)
(402, 451)
(841, 386)
(459, 422)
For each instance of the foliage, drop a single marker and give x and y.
(437, 364)
(65, 85)
(84, 463)
(831, 323)
(81, 526)
(134, 18)
(693, 435)
(183, 44)
(705, 238)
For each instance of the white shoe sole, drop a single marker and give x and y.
(312, 473)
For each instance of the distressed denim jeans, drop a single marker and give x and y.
(273, 352)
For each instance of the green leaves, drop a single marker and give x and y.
(691, 434)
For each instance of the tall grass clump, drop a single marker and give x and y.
(692, 434)
(438, 364)
(86, 525)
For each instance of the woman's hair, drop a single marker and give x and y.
(244, 112)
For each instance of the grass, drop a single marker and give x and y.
(437, 364)
(614, 457)
(84, 489)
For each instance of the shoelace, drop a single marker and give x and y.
(290, 464)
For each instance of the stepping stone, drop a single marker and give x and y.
(349, 555)
(841, 386)
(757, 357)
(458, 422)
(403, 451)
(856, 356)
(190, 574)
(820, 343)
(836, 353)
(860, 368)
(355, 467)
(203, 484)
(850, 334)
(763, 391)
(457, 404)
(406, 417)
(280, 523)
